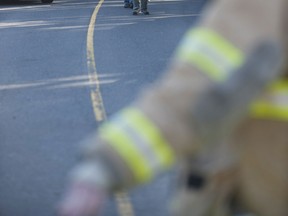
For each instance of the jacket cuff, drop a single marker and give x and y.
(93, 173)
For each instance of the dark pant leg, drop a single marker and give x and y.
(135, 4)
(144, 5)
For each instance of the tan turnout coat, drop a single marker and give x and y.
(248, 171)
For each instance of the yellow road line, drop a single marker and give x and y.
(125, 207)
(96, 97)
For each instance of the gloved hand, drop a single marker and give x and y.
(82, 200)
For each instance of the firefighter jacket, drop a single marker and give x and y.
(156, 132)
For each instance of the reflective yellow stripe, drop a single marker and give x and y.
(272, 108)
(127, 150)
(210, 53)
(139, 143)
(152, 135)
(268, 111)
(279, 86)
(204, 64)
(222, 45)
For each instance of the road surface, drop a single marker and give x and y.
(47, 74)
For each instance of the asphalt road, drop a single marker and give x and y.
(46, 108)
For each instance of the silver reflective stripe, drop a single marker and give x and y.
(139, 143)
(210, 52)
(205, 50)
(142, 144)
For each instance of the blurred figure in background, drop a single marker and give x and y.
(128, 4)
(219, 114)
(140, 6)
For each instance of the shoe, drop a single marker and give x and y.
(126, 5)
(145, 12)
(135, 12)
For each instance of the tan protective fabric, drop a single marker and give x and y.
(259, 171)
(257, 180)
(263, 177)
(261, 155)
(244, 23)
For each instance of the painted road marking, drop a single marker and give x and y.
(124, 205)
(96, 98)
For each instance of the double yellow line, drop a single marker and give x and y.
(124, 205)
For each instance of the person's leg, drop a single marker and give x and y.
(135, 7)
(130, 3)
(144, 7)
(126, 4)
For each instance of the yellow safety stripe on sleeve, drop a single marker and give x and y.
(127, 150)
(279, 86)
(153, 136)
(210, 53)
(275, 105)
(139, 142)
(269, 111)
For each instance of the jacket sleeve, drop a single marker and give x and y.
(149, 136)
